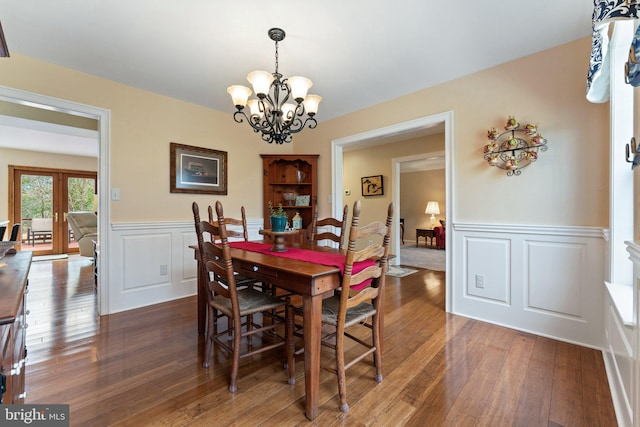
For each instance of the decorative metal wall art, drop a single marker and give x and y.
(515, 148)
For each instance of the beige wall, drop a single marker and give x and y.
(568, 185)
(142, 126)
(45, 160)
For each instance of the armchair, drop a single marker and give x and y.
(85, 230)
(440, 233)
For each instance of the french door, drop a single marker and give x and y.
(40, 199)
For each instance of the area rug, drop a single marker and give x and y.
(396, 271)
(49, 257)
(431, 259)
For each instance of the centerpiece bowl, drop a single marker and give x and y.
(4, 248)
(290, 197)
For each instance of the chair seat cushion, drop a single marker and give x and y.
(359, 313)
(240, 280)
(250, 301)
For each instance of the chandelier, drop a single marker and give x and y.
(283, 106)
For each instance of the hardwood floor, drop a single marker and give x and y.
(144, 367)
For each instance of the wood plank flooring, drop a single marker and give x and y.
(144, 367)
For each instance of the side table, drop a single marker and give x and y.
(426, 233)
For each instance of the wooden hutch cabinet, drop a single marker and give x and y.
(13, 287)
(290, 173)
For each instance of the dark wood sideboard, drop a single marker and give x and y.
(14, 270)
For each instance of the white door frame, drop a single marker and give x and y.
(408, 127)
(103, 117)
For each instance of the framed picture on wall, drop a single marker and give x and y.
(372, 185)
(198, 170)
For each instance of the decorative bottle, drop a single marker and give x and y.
(297, 221)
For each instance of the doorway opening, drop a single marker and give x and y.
(102, 116)
(399, 132)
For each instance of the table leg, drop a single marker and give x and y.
(312, 306)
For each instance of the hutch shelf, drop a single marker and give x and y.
(290, 180)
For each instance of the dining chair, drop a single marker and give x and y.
(237, 304)
(3, 228)
(317, 235)
(361, 299)
(237, 229)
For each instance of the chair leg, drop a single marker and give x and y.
(215, 321)
(210, 330)
(237, 335)
(342, 383)
(290, 345)
(249, 327)
(377, 354)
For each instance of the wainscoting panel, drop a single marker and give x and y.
(541, 279)
(489, 269)
(189, 267)
(622, 348)
(550, 264)
(620, 360)
(148, 259)
(153, 263)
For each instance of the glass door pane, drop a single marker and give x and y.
(36, 212)
(81, 197)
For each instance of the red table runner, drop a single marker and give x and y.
(316, 257)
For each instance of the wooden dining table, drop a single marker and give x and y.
(311, 281)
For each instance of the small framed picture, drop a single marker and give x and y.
(372, 185)
(198, 170)
(303, 200)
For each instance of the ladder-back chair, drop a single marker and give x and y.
(236, 304)
(361, 298)
(317, 224)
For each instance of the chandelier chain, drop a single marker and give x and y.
(277, 57)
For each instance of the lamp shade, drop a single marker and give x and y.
(254, 107)
(288, 111)
(299, 87)
(311, 103)
(261, 82)
(239, 94)
(432, 208)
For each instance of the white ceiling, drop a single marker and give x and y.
(22, 134)
(357, 52)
